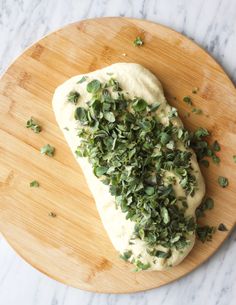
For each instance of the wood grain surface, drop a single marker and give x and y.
(73, 247)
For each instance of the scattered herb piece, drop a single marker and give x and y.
(33, 125)
(162, 254)
(234, 158)
(139, 105)
(204, 233)
(205, 163)
(52, 214)
(47, 150)
(34, 183)
(66, 128)
(207, 204)
(197, 111)
(126, 255)
(138, 41)
(215, 159)
(141, 266)
(82, 80)
(216, 146)
(222, 227)
(223, 182)
(94, 86)
(187, 100)
(73, 97)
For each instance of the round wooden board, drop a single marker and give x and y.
(73, 247)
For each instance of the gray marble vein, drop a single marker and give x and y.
(212, 24)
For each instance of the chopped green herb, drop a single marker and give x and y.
(126, 255)
(162, 254)
(138, 41)
(187, 100)
(207, 204)
(215, 159)
(205, 162)
(34, 183)
(197, 111)
(130, 150)
(82, 80)
(216, 146)
(204, 233)
(33, 125)
(139, 105)
(73, 97)
(47, 150)
(94, 86)
(141, 266)
(222, 227)
(223, 182)
(234, 158)
(52, 214)
(66, 128)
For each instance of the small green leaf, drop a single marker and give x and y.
(94, 86)
(142, 266)
(216, 146)
(33, 125)
(82, 80)
(47, 150)
(126, 255)
(139, 105)
(73, 97)
(153, 107)
(201, 132)
(187, 100)
(165, 215)
(204, 233)
(109, 116)
(162, 254)
(138, 41)
(205, 163)
(223, 182)
(222, 227)
(197, 111)
(34, 183)
(234, 158)
(100, 170)
(149, 190)
(81, 114)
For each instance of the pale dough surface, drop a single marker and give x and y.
(138, 82)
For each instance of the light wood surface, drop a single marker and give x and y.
(73, 247)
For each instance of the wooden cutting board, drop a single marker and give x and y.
(73, 246)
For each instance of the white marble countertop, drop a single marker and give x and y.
(212, 24)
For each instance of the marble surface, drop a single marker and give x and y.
(210, 23)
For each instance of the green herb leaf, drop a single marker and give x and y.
(141, 266)
(187, 100)
(94, 86)
(73, 97)
(33, 125)
(149, 190)
(204, 233)
(234, 158)
(162, 254)
(47, 150)
(126, 255)
(34, 183)
(216, 146)
(109, 116)
(82, 80)
(165, 215)
(100, 170)
(205, 163)
(222, 227)
(197, 111)
(139, 105)
(81, 115)
(223, 182)
(138, 41)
